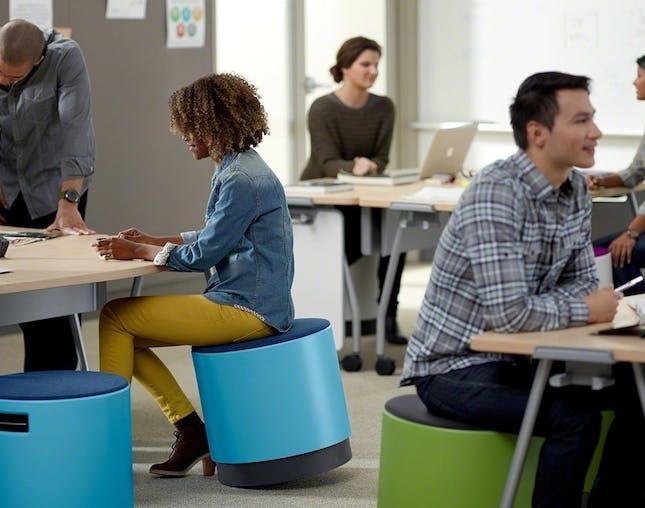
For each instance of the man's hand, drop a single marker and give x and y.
(69, 221)
(603, 304)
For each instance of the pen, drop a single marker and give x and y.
(629, 284)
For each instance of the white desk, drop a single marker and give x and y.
(390, 224)
(319, 262)
(63, 276)
(407, 221)
(395, 219)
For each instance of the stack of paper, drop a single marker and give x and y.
(435, 195)
(392, 178)
(316, 187)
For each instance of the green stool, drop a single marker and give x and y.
(428, 461)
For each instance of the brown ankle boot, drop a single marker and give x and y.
(190, 447)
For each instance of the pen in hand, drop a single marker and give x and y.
(629, 284)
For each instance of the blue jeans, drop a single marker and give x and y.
(494, 396)
(633, 269)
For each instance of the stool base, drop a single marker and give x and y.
(272, 472)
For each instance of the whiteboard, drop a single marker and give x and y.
(475, 53)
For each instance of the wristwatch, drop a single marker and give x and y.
(69, 195)
(633, 234)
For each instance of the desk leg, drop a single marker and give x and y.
(386, 291)
(75, 324)
(137, 285)
(526, 431)
(634, 202)
(354, 306)
(639, 377)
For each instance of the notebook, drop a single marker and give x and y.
(314, 187)
(385, 178)
(445, 156)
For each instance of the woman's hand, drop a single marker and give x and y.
(136, 235)
(120, 248)
(363, 166)
(621, 250)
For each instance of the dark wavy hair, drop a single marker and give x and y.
(349, 52)
(641, 62)
(223, 111)
(536, 100)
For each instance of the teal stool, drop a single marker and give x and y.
(274, 408)
(433, 462)
(65, 440)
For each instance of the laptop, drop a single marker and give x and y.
(444, 159)
(446, 154)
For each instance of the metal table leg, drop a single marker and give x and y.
(639, 377)
(77, 333)
(137, 286)
(526, 431)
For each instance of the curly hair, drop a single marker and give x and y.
(223, 111)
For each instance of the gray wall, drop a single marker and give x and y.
(145, 176)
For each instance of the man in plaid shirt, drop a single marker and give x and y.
(515, 256)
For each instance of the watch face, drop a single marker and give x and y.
(72, 196)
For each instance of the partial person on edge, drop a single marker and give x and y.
(627, 247)
(46, 157)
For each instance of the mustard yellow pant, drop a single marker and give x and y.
(129, 327)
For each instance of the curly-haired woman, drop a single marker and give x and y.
(247, 238)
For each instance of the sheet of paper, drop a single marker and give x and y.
(432, 194)
(38, 12)
(125, 9)
(638, 304)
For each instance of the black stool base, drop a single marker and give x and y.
(272, 472)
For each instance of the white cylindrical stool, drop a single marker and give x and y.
(602, 257)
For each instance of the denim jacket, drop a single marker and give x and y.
(247, 238)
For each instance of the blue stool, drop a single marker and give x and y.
(65, 440)
(274, 408)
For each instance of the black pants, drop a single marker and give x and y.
(352, 218)
(49, 343)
